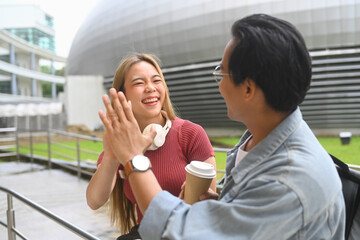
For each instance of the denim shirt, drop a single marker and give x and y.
(286, 187)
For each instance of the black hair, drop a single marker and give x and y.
(272, 53)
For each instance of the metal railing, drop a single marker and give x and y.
(8, 139)
(13, 231)
(78, 150)
(79, 166)
(52, 151)
(73, 164)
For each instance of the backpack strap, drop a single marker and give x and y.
(340, 164)
(351, 191)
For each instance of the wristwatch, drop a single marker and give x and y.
(139, 163)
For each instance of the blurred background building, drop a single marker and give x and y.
(29, 80)
(29, 23)
(189, 37)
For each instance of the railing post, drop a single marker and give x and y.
(49, 148)
(78, 156)
(49, 139)
(10, 218)
(31, 147)
(17, 137)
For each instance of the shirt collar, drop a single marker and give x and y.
(263, 149)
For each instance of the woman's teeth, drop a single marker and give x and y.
(150, 100)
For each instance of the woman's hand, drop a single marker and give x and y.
(108, 152)
(181, 194)
(123, 132)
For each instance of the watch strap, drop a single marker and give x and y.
(128, 168)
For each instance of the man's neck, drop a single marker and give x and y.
(263, 125)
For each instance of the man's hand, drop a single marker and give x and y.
(210, 194)
(123, 132)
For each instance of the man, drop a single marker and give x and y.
(281, 183)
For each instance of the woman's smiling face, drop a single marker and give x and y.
(145, 89)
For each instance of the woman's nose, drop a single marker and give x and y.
(150, 87)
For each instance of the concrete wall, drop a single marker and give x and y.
(83, 100)
(25, 87)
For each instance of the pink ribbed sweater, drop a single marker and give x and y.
(186, 141)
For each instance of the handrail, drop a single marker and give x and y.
(355, 167)
(9, 129)
(6, 139)
(91, 138)
(51, 152)
(37, 207)
(76, 135)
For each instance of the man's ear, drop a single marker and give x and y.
(250, 88)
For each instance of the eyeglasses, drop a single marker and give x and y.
(218, 74)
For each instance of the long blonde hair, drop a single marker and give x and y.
(122, 210)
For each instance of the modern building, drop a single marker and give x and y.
(189, 37)
(34, 26)
(27, 64)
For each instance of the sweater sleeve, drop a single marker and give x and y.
(195, 143)
(100, 158)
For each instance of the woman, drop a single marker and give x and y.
(140, 78)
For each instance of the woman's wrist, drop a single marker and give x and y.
(111, 161)
(129, 157)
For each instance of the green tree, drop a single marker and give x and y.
(46, 86)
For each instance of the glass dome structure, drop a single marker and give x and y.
(189, 37)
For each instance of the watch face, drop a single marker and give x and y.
(141, 163)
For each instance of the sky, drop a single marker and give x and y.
(68, 16)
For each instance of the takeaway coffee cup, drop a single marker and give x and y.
(198, 179)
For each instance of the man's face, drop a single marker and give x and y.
(231, 93)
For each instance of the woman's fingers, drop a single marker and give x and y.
(122, 128)
(118, 106)
(120, 111)
(181, 194)
(105, 121)
(112, 116)
(126, 107)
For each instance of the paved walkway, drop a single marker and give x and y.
(58, 191)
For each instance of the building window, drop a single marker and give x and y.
(5, 87)
(49, 21)
(35, 36)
